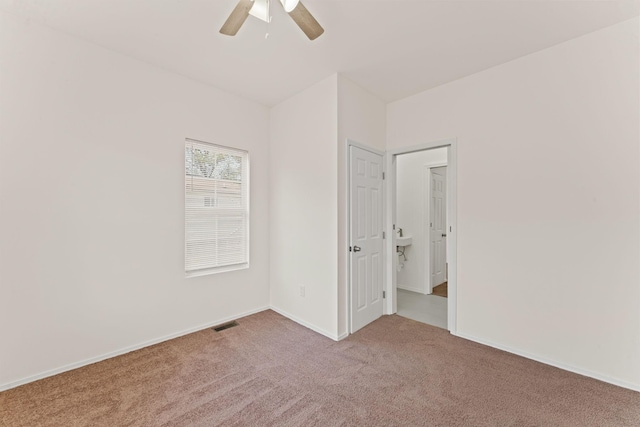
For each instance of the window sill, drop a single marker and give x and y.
(216, 270)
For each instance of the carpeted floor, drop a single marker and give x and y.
(441, 290)
(270, 371)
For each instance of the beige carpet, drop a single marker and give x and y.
(269, 371)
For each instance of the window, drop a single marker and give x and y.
(216, 208)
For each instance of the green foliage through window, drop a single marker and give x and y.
(209, 164)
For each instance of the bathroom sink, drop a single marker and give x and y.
(404, 241)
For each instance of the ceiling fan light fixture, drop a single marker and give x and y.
(289, 5)
(260, 10)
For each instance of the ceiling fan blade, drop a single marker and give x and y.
(237, 18)
(306, 22)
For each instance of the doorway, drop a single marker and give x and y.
(438, 240)
(421, 235)
(364, 268)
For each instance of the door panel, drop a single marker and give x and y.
(376, 290)
(361, 215)
(365, 237)
(438, 227)
(376, 224)
(362, 283)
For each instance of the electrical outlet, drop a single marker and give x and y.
(302, 290)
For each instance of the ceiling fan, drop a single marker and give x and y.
(260, 9)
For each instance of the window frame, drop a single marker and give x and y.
(245, 201)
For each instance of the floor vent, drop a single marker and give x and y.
(225, 326)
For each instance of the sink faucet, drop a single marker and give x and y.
(399, 232)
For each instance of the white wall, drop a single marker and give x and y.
(304, 206)
(411, 215)
(548, 245)
(309, 198)
(362, 119)
(92, 200)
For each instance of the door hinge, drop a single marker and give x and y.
(383, 176)
(383, 235)
(384, 294)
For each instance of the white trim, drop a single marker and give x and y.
(422, 147)
(352, 143)
(435, 165)
(452, 222)
(391, 261)
(216, 270)
(556, 364)
(125, 350)
(309, 325)
(71, 366)
(452, 237)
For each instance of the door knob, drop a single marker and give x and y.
(357, 249)
(444, 235)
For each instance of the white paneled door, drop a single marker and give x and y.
(366, 243)
(438, 231)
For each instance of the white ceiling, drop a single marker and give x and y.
(393, 48)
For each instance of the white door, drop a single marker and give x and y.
(365, 237)
(438, 231)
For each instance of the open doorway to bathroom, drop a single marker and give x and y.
(421, 235)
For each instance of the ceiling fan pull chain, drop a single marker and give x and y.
(266, 36)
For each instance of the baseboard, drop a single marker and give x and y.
(308, 325)
(124, 350)
(563, 366)
(412, 289)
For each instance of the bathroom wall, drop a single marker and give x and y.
(411, 214)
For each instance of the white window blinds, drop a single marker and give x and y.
(216, 208)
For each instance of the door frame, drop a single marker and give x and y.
(391, 305)
(351, 143)
(426, 195)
